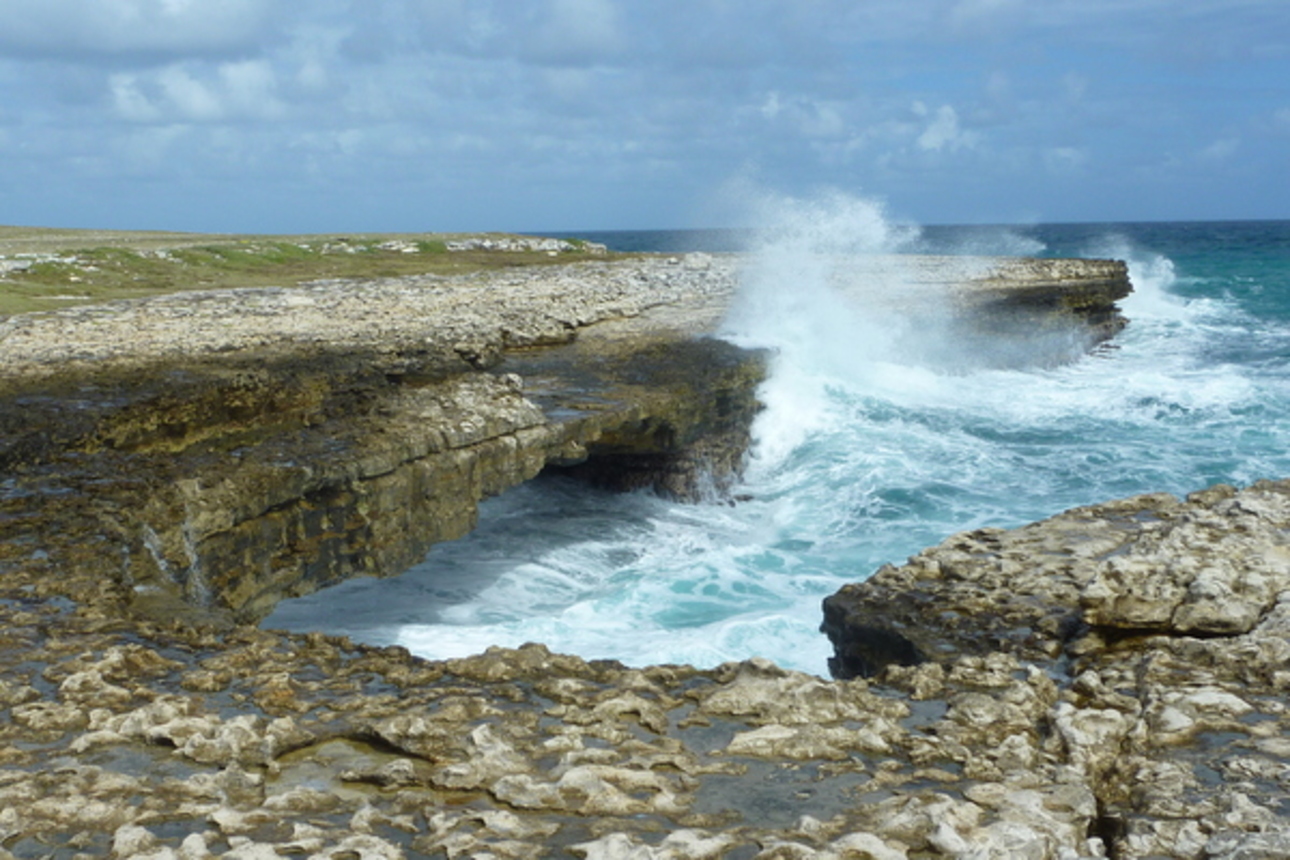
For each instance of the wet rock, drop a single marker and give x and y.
(131, 840)
(679, 845)
(49, 717)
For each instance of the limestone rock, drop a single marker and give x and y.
(1163, 626)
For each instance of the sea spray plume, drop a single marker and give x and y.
(788, 298)
(790, 301)
(832, 292)
(835, 285)
(1153, 278)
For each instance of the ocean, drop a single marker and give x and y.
(865, 454)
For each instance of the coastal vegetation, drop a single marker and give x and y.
(42, 269)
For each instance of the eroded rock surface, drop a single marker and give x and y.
(1165, 625)
(149, 742)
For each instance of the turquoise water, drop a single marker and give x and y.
(864, 455)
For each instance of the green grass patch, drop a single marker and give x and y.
(68, 267)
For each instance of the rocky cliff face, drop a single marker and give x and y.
(221, 451)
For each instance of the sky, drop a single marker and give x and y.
(293, 116)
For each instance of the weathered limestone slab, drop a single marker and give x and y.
(255, 744)
(1163, 624)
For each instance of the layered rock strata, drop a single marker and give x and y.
(221, 451)
(1163, 629)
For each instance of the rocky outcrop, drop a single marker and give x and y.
(995, 311)
(1163, 627)
(523, 243)
(217, 452)
(169, 743)
(1035, 737)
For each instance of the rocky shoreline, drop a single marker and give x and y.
(1164, 626)
(1110, 682)
(1085, 716)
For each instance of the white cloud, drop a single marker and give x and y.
(312, 75)
(188, 93)
(1220, 150)
(811, 93)
(192, 98)
(81, 28)
(311, 54)
(249, 88)
(943, 132)
(804, 115)
(771, 107)
(129, 101)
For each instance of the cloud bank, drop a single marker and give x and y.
(584, 114)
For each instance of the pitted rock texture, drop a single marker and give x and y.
(147, 742)
(1166, 625)
(133, 739)
(468, 318)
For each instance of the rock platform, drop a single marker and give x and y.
(1108, 683)
(1161, 630)
(1063, 729)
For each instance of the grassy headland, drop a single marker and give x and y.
(42, 268)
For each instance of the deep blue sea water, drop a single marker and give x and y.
(863, 456)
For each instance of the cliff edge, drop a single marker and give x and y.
(209, 453)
